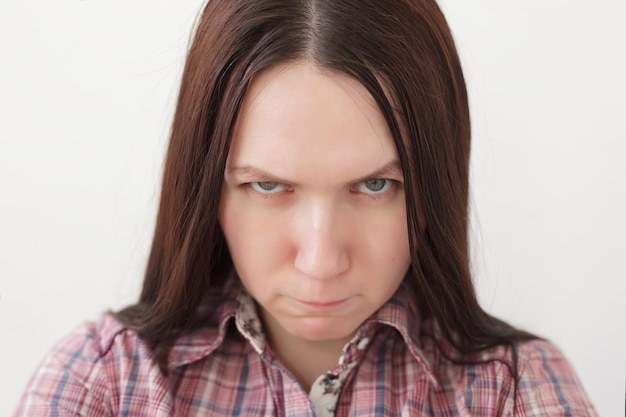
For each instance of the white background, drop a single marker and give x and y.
(86, 98)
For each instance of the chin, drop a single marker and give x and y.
(323, 329)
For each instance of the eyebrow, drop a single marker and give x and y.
(391, 168)
(248, 171)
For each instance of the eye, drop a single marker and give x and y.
(374, 186)
(268, 187)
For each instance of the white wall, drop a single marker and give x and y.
(86, 98)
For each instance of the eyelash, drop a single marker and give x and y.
(387, 187)
(256, 187)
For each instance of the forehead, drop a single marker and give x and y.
(297, 116)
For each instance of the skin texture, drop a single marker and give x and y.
(313, 211)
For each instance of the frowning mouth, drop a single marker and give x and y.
(325, 305)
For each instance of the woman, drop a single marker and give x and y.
(310, 255)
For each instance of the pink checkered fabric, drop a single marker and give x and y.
(396, 365)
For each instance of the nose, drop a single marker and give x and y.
(322, 250)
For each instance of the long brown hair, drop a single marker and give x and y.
(402, 51)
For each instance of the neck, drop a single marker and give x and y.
(305, 359)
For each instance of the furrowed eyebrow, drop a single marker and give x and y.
(391, 168)
(251, 172)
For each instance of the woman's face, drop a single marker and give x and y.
(313, 207)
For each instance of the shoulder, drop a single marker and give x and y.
(97, 338)
(541, 357)
(548, 381)
(104, 368)
(104, 345)
(86, 372)
(541, 383)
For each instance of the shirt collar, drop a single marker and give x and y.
(215, 314)
(400, 313)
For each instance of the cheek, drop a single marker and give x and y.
(399, 241)
(252, 236)
(394, 244)
(386, 240)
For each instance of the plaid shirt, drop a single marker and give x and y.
(395, 365)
